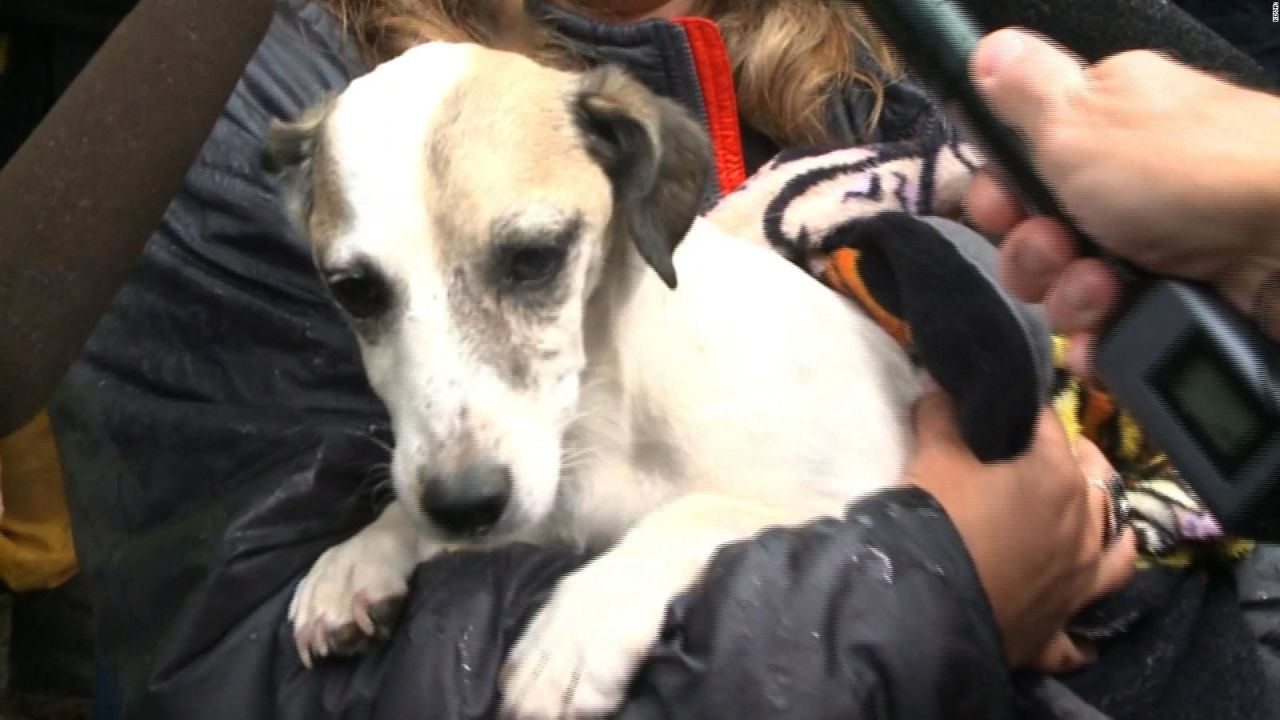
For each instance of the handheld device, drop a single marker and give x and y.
(1199, 378)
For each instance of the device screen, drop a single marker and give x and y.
(1210, 401)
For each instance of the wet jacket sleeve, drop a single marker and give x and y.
(878, 615)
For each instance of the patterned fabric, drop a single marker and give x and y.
(1171, 523)
(795, 202)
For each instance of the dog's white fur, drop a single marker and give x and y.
(663, 424)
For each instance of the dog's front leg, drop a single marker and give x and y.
(579, 654)
(352, 595)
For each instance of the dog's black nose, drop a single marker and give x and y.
(468, 503)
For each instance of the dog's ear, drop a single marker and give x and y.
(287, 155)
(291, 144)
(288, 145)
(656, 155)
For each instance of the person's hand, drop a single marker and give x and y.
(1034, 528)
(1164, 165)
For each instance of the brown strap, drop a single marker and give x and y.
(80, 197)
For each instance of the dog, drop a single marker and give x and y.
(569, 354)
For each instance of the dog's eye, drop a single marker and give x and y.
(361, 290)
(530, 267)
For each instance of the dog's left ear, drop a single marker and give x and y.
(656, 155)
(287, 154)
(290, 145)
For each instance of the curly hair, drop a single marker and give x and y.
(789, 57)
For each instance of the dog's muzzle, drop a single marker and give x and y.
(467, 503)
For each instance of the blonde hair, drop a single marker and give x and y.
(790, 58)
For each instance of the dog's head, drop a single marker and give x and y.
(464, 205)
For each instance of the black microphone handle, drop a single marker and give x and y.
(1095, 29)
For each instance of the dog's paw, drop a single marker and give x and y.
(579, 654)
(350, 598)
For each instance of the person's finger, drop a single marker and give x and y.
(1024, 77)
(1116, 563)
(1083, 295)
(1093, 463)
(1093, 543)
(1063, 655)
(1119, 562)
(1095, 470)
(990, 206)
(1033, 255)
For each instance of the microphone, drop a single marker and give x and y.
(1094, 29)
(1198, 377)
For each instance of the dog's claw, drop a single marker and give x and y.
(344, 603)
(360, 614)
(304, 652)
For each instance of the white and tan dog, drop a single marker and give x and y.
(505, 239)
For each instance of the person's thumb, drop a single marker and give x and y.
(1025, 77)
